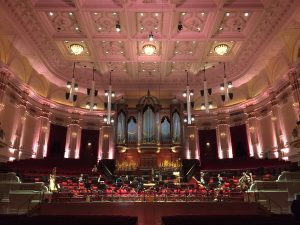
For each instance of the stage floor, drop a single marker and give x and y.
(150, 213)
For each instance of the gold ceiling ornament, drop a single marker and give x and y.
(221, 49)
(76, 49)
(149, 49)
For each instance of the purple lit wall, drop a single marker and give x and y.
(57, 141)
(208, 146)
(89, 145)
(239, 140)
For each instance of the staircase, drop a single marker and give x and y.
(276, 196)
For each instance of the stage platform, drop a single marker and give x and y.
(150, 213)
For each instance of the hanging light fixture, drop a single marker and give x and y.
(188, 94)
(205, 93)
(76, 49)
(118, 27)
(92, 92)
(109, 94)
(105, 119)
(179, 27)
(72, 88)
(225, 86)
(151, 37)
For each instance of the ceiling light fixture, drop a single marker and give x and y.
(76, 49)
(149, 49)
(221, 49)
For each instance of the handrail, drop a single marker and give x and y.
(269, 200)
(41, 198)
(275, 203)
(28, 201)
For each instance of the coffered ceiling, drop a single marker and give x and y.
(47, 29)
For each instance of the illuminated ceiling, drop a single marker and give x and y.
(43, 31)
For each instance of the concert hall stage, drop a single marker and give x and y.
(150, 213)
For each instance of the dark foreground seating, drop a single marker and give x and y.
(230, 220)
(67, 220)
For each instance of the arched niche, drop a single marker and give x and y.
(176, 127)
(165, 130)
(132, 130)
(121, 127)
(148, 119)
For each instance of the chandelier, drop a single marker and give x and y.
(149, 49)
(221, 49)
(77, 49)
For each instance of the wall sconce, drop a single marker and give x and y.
(105, 135)
(192, 136)
(1, 107)
(295, 104)
(74, 134)
(251, 129)
(44, 128)
(273, 118)
(223, 134)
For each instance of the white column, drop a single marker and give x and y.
(191, 145)
(44, 128)
(20, 120)
(73, 140)
(252, 126)
(276, 123)
(224, 140)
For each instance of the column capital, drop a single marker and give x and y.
(44, 112)
(294, 77)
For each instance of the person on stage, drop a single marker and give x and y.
(95, 169)
(52, 180)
